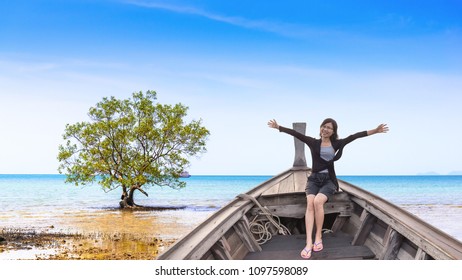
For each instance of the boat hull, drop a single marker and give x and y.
(358, 225)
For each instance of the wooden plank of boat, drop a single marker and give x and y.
(401, 225)
(209, 236)
(426, 237)
(195, 244)
(287, 247)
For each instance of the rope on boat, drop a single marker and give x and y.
(261, 228)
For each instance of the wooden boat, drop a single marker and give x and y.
(267, 222)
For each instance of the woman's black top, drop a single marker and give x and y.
(319, 164)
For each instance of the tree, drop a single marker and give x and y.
(133, 144)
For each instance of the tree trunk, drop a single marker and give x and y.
(127, 200)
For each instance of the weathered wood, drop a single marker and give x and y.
(208, 256)
(393, 242)
(242, 229)
(293, 204)
(215, 232)
(288, 211)
(438, 244)
(195, 244)
(221, 250)
(339, 222)
(238, 248)
(296, 180)
(274, 189)
(287, 186)
(375, 239)
(341, 207)
(239, 252)
(299, 210)
(300, 181)
(298, 198)
(375, 226)
(381, 231)
(417, 232)
(421, 255)
(288, 247)
(407, 251)
(299, 160)
(282, 199)
(366, 226)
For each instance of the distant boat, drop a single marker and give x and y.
(267, 222)
(184, 174)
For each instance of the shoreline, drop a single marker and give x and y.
(34, 244)
(97, 235)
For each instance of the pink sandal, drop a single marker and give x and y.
(307, 253)
(318, 246)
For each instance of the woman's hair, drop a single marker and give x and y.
(335, 126)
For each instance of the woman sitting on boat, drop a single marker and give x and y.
(322, 183)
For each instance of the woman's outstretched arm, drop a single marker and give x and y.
(382, 128)
(302, 137)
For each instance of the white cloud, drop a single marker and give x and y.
(281, 28)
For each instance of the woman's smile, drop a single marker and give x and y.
(326, 130)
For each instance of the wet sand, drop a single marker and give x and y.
(97, 235)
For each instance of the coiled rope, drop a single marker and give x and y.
(260, 227)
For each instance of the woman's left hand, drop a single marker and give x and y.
(382, 128)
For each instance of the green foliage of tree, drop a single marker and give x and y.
(133, 144)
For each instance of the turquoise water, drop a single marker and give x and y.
(404, 190)
(35, 200)
(49, 192)
(205, 193)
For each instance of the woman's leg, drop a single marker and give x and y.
(309, 224)
(318, 205)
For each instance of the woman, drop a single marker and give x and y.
(322, 183)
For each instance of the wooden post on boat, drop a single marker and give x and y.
(300, 160)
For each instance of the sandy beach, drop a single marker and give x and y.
(100, 235)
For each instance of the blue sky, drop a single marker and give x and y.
(237, 64)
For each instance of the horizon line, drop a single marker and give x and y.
(429, 174)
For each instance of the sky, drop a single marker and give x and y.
(236, 65)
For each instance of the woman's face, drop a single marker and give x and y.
(327, 130)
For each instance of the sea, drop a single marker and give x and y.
(47, 202)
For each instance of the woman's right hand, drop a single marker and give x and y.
(273, 124)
